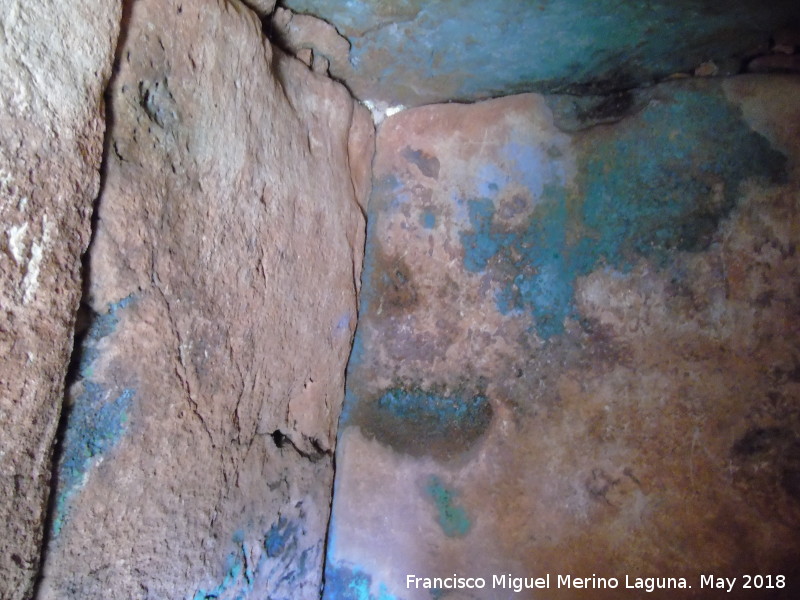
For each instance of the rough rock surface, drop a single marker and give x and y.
(305, 35)
(262, 7)
(578, 352)
(197, 458)
(414, 52)
(55, 60)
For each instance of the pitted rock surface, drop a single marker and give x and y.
(221, 303)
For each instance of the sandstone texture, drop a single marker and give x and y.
(262, 7)
(414, 52)
(221, 302)
(312, 40)
(55, 60)
(578, 349)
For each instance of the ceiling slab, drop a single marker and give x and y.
(413, 52)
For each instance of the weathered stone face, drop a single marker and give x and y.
(197, 455)
(55, 60)
(577, 350)
(415, 52)
(261, 7)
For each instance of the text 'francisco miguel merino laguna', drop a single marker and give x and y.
(518, 584)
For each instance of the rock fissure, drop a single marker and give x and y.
(568, 329)
(181, 371)
(150, 226)
(281, 441)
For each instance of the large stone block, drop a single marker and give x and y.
(55, 60)
(415, 52)
(578, 350)
(197, 455)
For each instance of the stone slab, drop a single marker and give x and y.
(197, 456)
(414, 52)
(578, 349)
(55, 61)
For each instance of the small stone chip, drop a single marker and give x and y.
(706, 69)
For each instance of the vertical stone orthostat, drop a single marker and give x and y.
(55, 61)
(578, 348)
(221, 297)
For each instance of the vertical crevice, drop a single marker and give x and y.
(326, 541)
(84, 315)
(328, 527)
(82, 322)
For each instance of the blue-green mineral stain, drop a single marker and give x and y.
(279, 561)
(96, 423)
(650, 186)
(102, 325)
(280, 537)
(235, 567)
(239, 575)
(343, 582)
(440, 410)
(424, 422)
(666, 183)
(534, 265)
(415, 52)
(452, 517)
(94, 420)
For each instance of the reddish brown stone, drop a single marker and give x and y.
(55, 60)
(223, 272)
(543, 385)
